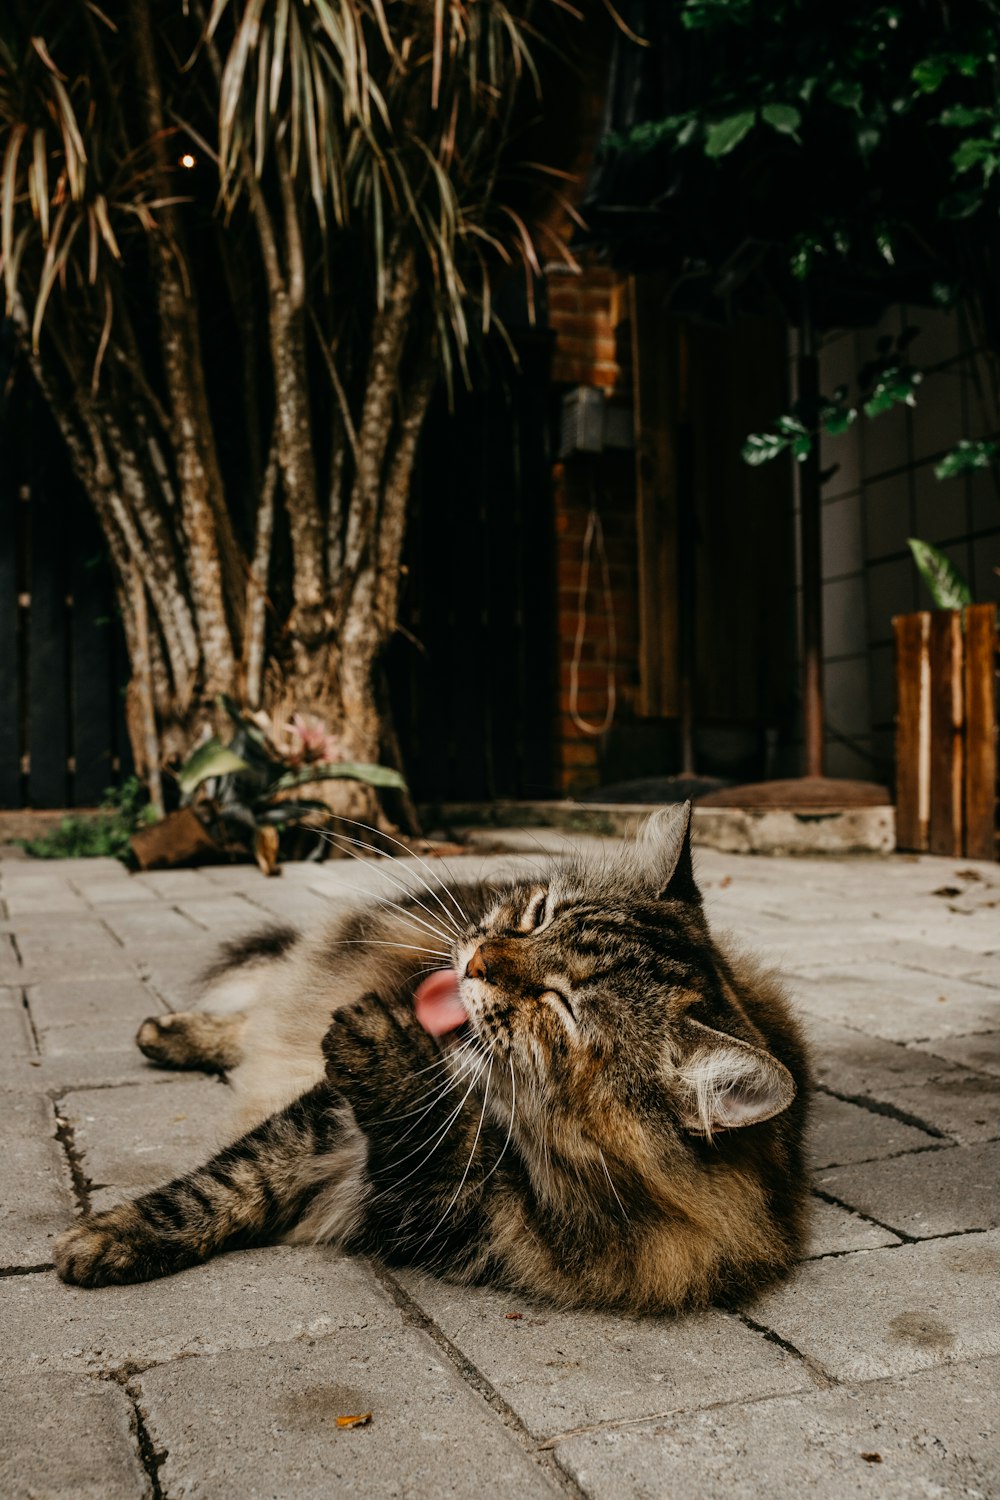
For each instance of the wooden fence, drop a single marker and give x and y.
(946, 731)
(63, 666)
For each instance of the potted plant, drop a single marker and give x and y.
(249, 796)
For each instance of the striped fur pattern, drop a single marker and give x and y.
(619, 1125)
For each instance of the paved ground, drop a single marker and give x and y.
(871, 1373)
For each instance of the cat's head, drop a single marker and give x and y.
(609, 1013)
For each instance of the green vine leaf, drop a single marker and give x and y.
(966, 457)
(725, 135)
(782, 117)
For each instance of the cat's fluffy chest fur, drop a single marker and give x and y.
(619, 1123)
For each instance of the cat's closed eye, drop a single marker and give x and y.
(559, 1000)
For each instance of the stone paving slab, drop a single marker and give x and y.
(835, 1230)
(36, 1202)
(117, 1002)
(134, 926)
(247, 1300)
(853, 1063)
(90, 961)
(843, 1132)
(963, 1104)
(932, 1434)
(69, 1435)
(896, 1004)
(139, 1137)
(275, 1432)
(981, 1052)
(927, 1194)
(62, 1071)
(558, 1370)
(886, 1312)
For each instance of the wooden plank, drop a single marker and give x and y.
(654, 340)
(91, 658)
(48, 696)
(947, 811)
(913, 740)
(980, 731)
(10, 638)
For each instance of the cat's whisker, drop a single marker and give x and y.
(384, 874)
(400, 845)
(510, 1127)
(439, 1091)
(440, 1137)
(611, 1185)
(472, 1153)
(379, 943)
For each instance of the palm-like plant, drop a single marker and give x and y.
(239, 246)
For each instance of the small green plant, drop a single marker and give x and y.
(242, 789)
(124, 810)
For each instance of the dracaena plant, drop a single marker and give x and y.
(240, 244)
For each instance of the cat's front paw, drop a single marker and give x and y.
(369, 1034)
(114, 1248)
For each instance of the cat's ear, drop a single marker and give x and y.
(726, 1083)
(663, 853)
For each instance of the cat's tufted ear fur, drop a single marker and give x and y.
(662, 852)
(726, 1083)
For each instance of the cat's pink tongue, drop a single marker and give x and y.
(438, 1004)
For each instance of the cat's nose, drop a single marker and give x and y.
(477, 967)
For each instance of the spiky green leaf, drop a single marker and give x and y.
(948, 588)
(209, 760)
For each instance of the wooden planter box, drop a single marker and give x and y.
(946, 731)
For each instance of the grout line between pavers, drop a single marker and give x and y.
(879, 1107)
(35, 1038)
(820, 1377)
(902, 1234)
(869, 1218)
(101, 922)
(82, 1184)
(473, 1377)
(151, 1458)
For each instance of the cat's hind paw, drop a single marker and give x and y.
(192, 1039)
(114, 1248)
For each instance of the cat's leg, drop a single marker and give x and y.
(194, 1039)
(430, 1144)
(249, 1193)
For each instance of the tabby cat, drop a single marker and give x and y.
(587, 1102)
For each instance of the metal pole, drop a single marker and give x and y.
(810, 555)
(687, 553)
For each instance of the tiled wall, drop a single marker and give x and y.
(883, 492)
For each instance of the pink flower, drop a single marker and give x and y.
(314, 744)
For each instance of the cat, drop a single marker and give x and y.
(586, 1102)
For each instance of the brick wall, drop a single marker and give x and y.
(609, 648)
(587, 313)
